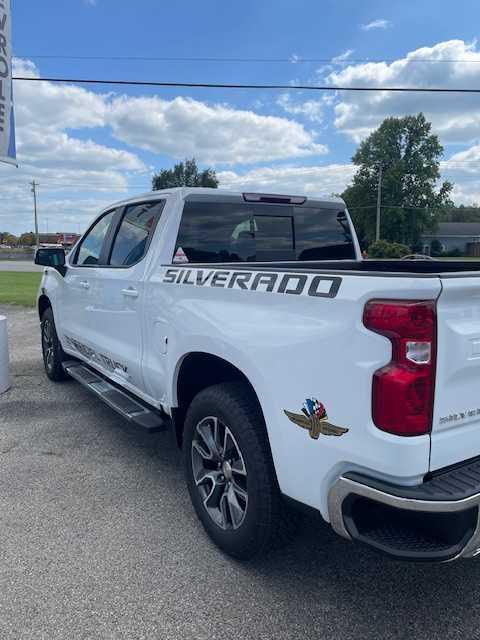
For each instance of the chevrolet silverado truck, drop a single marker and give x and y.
(291, 371)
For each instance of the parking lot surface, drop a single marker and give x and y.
(98, 540)
(19, 265)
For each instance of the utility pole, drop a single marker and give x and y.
(379, 201)
(34, 191)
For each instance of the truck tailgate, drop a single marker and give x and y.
(456, 418)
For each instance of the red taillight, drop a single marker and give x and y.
(402, 394)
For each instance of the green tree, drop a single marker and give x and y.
(8, 238)
(27, 239)
(185, 174)
(411, 199)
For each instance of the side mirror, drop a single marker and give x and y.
(51, 258)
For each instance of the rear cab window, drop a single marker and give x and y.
(238, 231)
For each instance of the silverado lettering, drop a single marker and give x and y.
(265, 281)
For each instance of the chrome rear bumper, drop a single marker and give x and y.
(422, 504)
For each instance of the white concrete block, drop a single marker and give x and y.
(4, 360)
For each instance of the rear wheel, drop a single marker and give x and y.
(230, 473)
(53, 354)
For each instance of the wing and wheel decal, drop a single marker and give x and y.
(315, 420)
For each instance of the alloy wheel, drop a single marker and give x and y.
(47, 344)
(219, 473)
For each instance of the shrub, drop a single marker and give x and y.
(436, 248)
(454, 253)
(384, 249)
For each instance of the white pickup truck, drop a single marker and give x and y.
(291, 370)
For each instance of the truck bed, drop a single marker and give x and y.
(372, 267)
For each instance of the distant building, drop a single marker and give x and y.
(65, 239)
(458, 236)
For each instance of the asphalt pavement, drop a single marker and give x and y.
(98, 540)
(19, 265)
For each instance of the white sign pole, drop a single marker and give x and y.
(4, 373)
(7, 122)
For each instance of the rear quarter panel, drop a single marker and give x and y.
(293, 347)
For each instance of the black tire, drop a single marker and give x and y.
(53, 354)
(266, 520)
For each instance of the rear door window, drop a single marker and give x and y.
(135, 232)
(243, 232)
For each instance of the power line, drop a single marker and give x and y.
(336, 60)
(217, 85)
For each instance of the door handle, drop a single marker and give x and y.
(130, 293)
(84, 284)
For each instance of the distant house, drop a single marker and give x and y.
(459, 236)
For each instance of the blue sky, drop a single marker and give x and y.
(89, 146)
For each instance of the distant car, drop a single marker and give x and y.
(417, 256)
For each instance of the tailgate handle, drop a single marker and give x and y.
(84, 284)
(130, 292)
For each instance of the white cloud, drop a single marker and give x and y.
(54, 215)
(466, 185)
(55, 149)
(342, 57)
(337, 61)
(333, 178)
(315, 180)
(469, 159)
(85, 184)
(25, 68)
(180, 127)
(78, 175)
(451, 64)
(62, 198)
(45, 111)
(380, 23)
(462, 169)
(310, 109)
(466, 193)
(75, 168)
(54, 106)
(212, 133)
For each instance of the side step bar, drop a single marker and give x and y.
(120, 400)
